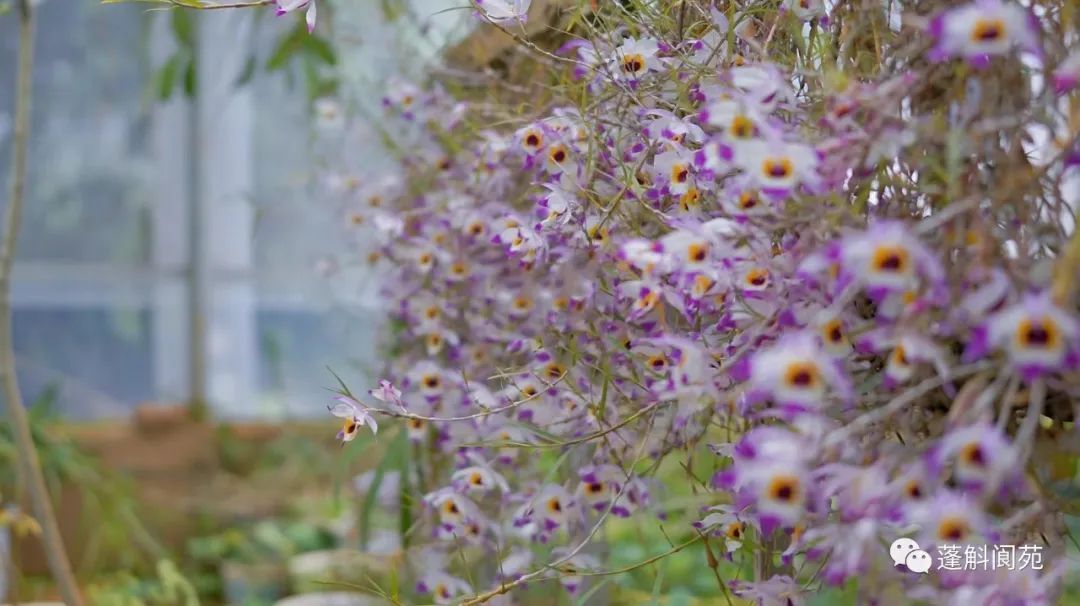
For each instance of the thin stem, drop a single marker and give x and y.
(1007, 402)
(197, 4)
(536, 574)
(906, 398)
(1025, 438)
(28, 458)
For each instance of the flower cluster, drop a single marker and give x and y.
(805, 245)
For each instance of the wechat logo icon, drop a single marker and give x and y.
(907, 552)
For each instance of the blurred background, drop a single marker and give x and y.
(183, 283)
(173, 222)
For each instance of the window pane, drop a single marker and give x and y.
(89, 167)
(297, 346)
(99, 358)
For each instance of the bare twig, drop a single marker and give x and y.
(197, 4)
(30, 465)
(908, 397)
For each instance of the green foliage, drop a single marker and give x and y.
(371, 498)
(266, 541)
(109, 506)
(297, 52)
(310, 53)
(182, 66)
(169, 588)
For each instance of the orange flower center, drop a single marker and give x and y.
(914, 490)
(890, 259)
(657, 362)
(777, 168)
(803, 375)
(988, 30)
(834, 331)
(690, 198)
(702, 284)
(757, 277)
(972, 454)
(784, 488)
(633, 64)
(748, 200)
(742, 127)
(1038, 333)
(697, 252)
(952, 529)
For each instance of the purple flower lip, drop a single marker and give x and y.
(1063, 83)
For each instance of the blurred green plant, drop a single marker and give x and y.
(108, 503)
(169, 588)
(267, 540)
(182, 66)
(295, 54)
(251, 562)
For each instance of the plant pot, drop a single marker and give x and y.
(264, 581)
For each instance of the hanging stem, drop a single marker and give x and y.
(30, 466)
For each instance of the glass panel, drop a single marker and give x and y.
(90, 171)
(296, 347)
(98, 358)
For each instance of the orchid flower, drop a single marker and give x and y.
(355, 414)
(288, 6)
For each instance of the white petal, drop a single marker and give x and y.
(312, 12)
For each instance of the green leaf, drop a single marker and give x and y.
(191, 78)
(320, 48)
(247, 73)
(287, 47)
(183, 26)
(391, 10)
(404, 498)
(344, 389)
(372, 494)
(356, 449)
(44, 405)
(165, 78)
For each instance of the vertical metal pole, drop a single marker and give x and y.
(197, 254)
(224, 373)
